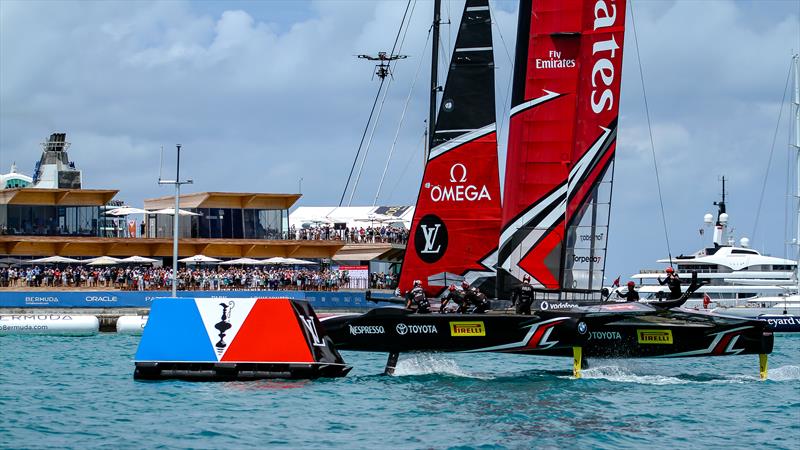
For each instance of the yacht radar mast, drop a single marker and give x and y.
(796, 145)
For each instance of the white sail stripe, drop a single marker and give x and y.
(453, 143)
(531, 103)
(489, 262)
(473, 49)
(584, 163)
(477, 8)
(530, 214)
(463, 130)
(511, 264)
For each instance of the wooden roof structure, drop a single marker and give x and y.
(56, 197)
(235, 200)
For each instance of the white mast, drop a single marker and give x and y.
(796, 145)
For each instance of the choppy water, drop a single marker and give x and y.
(79, 393)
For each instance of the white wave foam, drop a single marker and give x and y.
(426, 364)
(622, 375)
(784, 373)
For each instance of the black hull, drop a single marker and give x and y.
(235, 371)
(639, 332)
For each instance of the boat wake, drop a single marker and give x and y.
(621, 374)
(427, 364)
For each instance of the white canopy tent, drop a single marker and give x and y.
(57, 260)
(298, 261)
(103, 261)
(240, 262)
(137, 260)
(286, 261)
(125, 210)
(273, 260)
(353, 216)
(199, 259)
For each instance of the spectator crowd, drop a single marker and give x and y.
(145, 278)
(382, 280)
(356, 235)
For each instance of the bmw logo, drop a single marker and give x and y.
(401, 328)
(582, 328)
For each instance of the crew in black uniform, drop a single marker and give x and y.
(673, 282)
(480, 304)
(456, 297)
(416, 297)
(522, 297)
(631, 295)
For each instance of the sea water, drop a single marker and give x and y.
(79, 392)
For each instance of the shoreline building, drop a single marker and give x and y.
(50, 214)
(70, 222)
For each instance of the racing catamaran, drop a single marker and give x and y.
(555, 212)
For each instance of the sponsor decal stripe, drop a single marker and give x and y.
(525, 340)
(709, 349)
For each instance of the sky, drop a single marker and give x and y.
(268, 96)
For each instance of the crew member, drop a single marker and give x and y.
(456, 297)
(416, 297)
(673, 282)
(522, 297)
(480, 304)
(631, 295)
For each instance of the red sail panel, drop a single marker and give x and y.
(561, 137)
(457, 218)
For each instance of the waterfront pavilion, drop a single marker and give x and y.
(71, 222)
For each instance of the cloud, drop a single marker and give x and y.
(261, 96)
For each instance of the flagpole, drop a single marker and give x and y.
(175, 218)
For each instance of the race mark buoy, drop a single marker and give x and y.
(55, 324)
(223, 339)
(131, 324)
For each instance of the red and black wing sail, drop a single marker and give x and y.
(457, 218)
(562, 138)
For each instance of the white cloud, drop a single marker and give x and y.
(259, 101)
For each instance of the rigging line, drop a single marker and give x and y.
(369, 119)
(650, 131)
(360, 144)
(408, 163)
(449, 34)
(400, 124)
(771, 152)
(380, 108)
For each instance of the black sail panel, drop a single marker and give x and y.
(466, 103)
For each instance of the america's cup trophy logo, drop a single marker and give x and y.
(223, 326)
